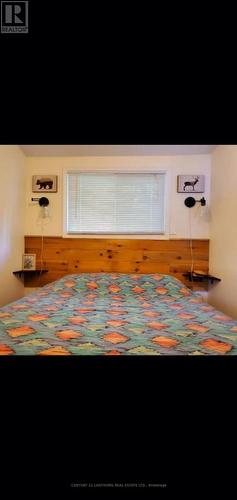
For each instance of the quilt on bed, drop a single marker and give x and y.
(114, 314)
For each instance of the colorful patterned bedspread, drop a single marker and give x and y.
(114, 314)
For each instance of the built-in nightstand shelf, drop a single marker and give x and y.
(201, 277)
(35, 272)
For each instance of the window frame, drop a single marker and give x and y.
(132, 235)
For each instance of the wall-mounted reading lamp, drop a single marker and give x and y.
(43, 202)
(190, 202)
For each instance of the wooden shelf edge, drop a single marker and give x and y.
(198, 278)
(30, 271)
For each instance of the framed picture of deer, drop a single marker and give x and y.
(191, 184)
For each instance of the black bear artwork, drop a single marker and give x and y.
(45, 183)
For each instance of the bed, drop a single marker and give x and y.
(115, 314)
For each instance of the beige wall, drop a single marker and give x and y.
(28, 291)
(12, 196)
(177, 214)
(223, 229)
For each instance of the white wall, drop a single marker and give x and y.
(223, 229)
(179, 215)
(12, 198)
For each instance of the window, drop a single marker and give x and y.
(115, 203)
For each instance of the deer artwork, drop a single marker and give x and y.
(191, 183)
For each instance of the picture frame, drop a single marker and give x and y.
(190, 183)
(29, 262)
(44, 183)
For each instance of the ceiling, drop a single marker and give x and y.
(116, 150)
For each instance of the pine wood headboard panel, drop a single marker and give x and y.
(73, 255)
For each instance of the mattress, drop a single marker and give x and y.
(115, 314)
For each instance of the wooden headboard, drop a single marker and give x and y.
(73, 255)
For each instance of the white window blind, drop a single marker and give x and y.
(115, 203)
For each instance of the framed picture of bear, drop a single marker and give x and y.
(42, 183)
